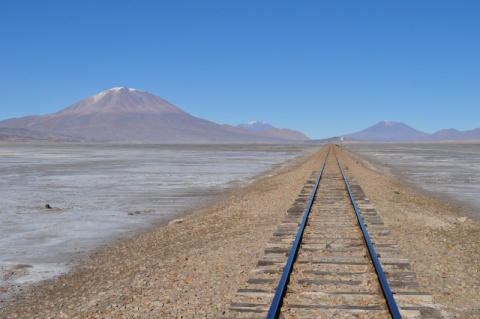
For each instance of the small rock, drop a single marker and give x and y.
(131, 214)
(175, 221)
(47, 206)
(462, 219)
(137, 212)
(453, 220)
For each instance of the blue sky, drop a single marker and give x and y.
(321, 67)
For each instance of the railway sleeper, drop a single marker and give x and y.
(326, 276)
(329, 306)
(332, 240)
(332, 250)
(339, 313)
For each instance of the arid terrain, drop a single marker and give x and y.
(192, 268)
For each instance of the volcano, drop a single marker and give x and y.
(129, 115)
(389, 131)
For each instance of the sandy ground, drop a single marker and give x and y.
(192, 269)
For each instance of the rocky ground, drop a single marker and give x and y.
(439, 239)
(192, 268)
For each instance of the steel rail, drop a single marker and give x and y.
(276, 305)
(387, 293)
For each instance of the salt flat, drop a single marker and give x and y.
(101, 192)
(449, 169)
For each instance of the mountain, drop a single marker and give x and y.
(453, 134)
(257, 126)
(24, 135)
(123, 114)
(389, 131)
(263, 128)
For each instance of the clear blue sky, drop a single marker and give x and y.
(322, 67)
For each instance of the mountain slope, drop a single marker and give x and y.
(389, 131)
(122, 100)
(122, 114)
(453, 134)
(263, 128)
(25, 135)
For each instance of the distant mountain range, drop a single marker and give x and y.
(265, 129)
(389, 131)
(129, 115)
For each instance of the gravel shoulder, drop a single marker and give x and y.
(192, 269)
(440, 240)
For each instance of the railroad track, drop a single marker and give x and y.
(332, 257)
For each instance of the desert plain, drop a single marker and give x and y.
(192, 268)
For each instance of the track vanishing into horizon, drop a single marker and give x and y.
(319, 263)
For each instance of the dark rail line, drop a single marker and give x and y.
(282, 286)
(391, 304)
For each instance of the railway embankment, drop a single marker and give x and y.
(192, 269)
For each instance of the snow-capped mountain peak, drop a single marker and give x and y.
(122, 100)
(116, 90)
(119, 88)
(257, 126)
(389, 123)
